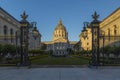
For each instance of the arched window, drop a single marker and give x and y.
(115, 30)
(109, 34)
(5, 32)
(16, 37)
(11, 35)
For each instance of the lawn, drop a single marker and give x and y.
(49, 60)
(72, 60)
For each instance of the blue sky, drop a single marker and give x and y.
(48, 12)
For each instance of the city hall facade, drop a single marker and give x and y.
(60, 44)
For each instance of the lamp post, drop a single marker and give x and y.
(35, 32)
(84, 31)
(95, 40)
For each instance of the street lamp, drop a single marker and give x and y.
(84, 31)
(35, 34)
(95, 40)
(35, 31)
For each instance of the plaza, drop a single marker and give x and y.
(79, 73)
(20, 41)
(36, 47)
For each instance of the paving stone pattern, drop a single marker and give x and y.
(14, 73)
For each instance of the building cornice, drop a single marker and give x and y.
(111, 18)
(8, 14)
(111, 14)
(9, 18)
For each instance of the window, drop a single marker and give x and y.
(11, 35)
(87, 48)
(115, 30)
(5, 32)
(109, 34)
(57, 47)
(87, 43)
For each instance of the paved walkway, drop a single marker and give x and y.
(13, 73)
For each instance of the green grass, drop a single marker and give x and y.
(38, 57)
(73, 59)
(48, 60)
(60, 61)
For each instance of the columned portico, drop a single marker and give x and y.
(60, 49)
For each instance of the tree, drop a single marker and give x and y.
(69, 50)
(83, 52)
(116, 52)
(107, 51)
(89, 52)
(50, 52)
(8, 48)
(44, 46)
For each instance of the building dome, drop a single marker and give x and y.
(60, 33)
(60, 26)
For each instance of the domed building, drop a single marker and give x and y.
(60, 33)
(60, 44)
(60, 40)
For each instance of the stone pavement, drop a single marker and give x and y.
(104, 73)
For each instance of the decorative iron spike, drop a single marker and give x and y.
(24, 16)
(95, 16)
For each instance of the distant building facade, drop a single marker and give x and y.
(34, 43)
(60, 43)
(10, 31)
(86, 42)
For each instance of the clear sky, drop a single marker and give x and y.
(48, 12)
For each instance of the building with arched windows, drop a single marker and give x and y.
(110, 27)
(10, 31)
(60, 45)
(8, 28)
